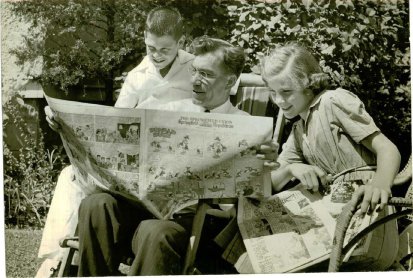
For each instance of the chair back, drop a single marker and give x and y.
(252, 100)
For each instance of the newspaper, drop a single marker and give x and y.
(294, 229)
(164, 160)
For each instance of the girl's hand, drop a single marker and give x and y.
(372, 194)
(309, 175)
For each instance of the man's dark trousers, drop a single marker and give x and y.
(106, 227)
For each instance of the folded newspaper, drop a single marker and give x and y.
(294, 229)
(161, 159)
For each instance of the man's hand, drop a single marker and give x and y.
(269, 153)
(310, 176)
(51, 119)
(371, 195)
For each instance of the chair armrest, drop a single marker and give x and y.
(343, 222)
(70, 242)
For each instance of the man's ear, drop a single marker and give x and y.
(181, 41)
(144, 34)
(231, 81)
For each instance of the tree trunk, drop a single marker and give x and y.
(110, 15)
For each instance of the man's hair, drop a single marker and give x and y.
(163, 21)
(299, 65)
(232, 57)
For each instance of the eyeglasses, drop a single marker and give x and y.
(204, 75)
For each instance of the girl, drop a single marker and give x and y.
(334, 133)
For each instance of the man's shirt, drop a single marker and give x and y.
(186, 105)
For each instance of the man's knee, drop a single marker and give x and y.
(158, 233)
(96, 203)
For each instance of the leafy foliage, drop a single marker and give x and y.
(363, 46)
(30, 173)
(82, 40)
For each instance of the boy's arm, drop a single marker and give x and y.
(127, 96)
(51, 119)
(388, 162)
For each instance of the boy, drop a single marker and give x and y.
(165, 66)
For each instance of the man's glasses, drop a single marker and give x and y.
(204, 75)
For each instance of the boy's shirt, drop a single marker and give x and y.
(144, 80)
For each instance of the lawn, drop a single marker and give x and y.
(21, 252)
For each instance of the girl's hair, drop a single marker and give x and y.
(299, 65)
(163, 21)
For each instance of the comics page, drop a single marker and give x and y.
(293, 229)
(193, 156)
(165, 160)
(103, 145)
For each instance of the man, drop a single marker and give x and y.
(159, 245)
(107, 222)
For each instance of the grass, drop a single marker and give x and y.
(21, 248)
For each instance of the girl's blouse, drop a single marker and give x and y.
(330, 135)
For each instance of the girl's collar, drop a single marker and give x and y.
(313, 103)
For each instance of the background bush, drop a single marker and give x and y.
(363, 45)
(30, 173)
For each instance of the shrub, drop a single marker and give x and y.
(29, 173)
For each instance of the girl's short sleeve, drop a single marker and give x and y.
(349, 111)
(292, 150)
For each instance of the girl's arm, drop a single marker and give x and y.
(310, 176)
(388, 162)
(280, 177)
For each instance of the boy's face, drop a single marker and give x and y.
(210, 82)
(161, 50)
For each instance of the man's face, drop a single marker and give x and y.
(161, 50)
(210, 82)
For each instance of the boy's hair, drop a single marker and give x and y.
(299, 64)
(163, 21)
(233, 57)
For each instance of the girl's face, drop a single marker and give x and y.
(290, 97)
